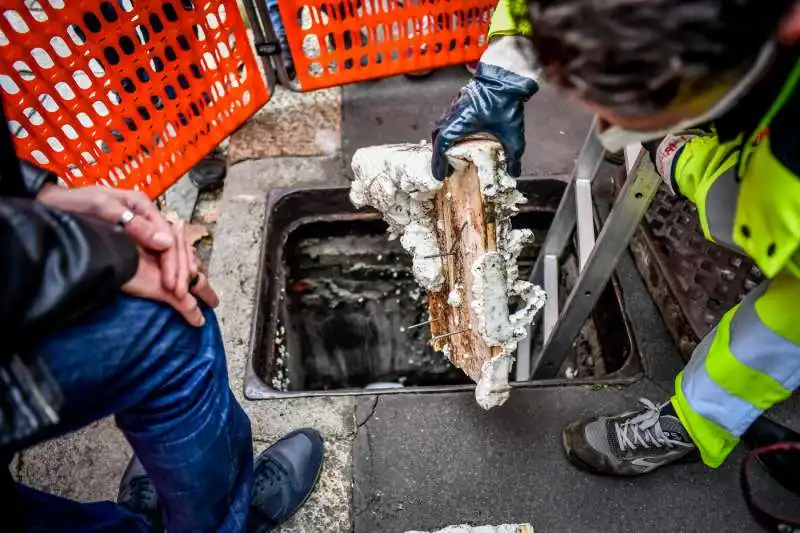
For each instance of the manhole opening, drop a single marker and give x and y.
(349, 298)
(342, 297)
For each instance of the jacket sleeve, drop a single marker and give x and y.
(56, 266)
(19, 178)
(510, 17)
(698, 166)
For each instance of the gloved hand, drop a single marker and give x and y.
(664, 153)
(492, 102)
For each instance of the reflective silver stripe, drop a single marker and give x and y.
(711, 401)
(755, 345)
(720, 208)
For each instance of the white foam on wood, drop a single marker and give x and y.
(397, 181)
(454, 298)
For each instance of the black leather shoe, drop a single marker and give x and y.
(284, 477)
(138, 494)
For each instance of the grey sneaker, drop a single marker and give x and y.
(630, 444)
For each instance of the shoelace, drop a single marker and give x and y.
(272, 470)
(142, 492)
(643, 430)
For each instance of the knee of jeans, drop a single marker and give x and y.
(179, 369)
(196, 344)
(164, 341)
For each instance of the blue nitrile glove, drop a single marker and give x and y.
(492, 102)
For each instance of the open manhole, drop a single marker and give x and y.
(336, 298)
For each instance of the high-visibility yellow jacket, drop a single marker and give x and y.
(743, 174)
(744, 177)
(510, 17)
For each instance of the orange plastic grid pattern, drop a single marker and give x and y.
(344, 41)
(126, 93)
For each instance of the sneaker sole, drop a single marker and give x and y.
(575, 460)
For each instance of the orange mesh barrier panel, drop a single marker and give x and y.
(339, 42)
(126, 93)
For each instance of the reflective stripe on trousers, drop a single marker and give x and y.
(745, 365)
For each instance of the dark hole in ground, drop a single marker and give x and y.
(337, 295)
(349, 297)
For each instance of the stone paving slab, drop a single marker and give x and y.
(181, 198)
(85, 465)
(504, 528)
(291, 124)
(328, 509)
(88, 464)
(234, 272)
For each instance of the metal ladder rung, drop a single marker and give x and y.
(551, 290)
(584, 212)
(597, 256)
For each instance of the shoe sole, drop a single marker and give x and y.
(576, 461)
(316, 478)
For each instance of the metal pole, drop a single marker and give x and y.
(557, 239)
(278, 65)
(625, 215)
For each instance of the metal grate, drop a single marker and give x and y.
(693, 280)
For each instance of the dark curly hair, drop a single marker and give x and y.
(636, 56)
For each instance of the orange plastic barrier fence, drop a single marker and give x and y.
(344, 41)
(126, 93)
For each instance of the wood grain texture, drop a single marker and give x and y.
(464, 229)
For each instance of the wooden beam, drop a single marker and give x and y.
(465, 232)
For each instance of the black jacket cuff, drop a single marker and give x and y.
(34, 178)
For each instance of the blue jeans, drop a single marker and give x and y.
(167, 385)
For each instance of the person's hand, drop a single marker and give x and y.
(133, 210)
(191, 279)
(146, 283)
(492, 102)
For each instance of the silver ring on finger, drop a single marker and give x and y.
(125, 218)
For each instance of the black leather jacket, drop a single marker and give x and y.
(56, 266)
